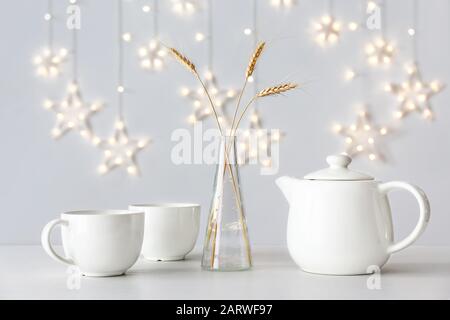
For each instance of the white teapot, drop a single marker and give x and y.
(340, 220)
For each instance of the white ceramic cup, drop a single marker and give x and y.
(101, 243)
(171, 230)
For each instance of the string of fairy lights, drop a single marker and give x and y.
(120, 150)
(72, 112)
(380, 51)
(153, 55)
(49, 61)
(197, 96)
(256, 142)
(412, 95)
(361, 138)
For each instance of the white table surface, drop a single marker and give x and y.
(26, 272)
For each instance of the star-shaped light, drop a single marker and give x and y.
(200, 101)
(361, 137)
(380, 52)
(120, 150)
(283, 3)
(48, 63)
(185, 7)
(152, 56)
(414, 94)
(328, 30)
(256, 142)
(72, 114)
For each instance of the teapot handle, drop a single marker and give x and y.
(424, 216)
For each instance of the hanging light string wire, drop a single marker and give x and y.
(209, 25)
(365, 76)
(120, 61)
(383, 18)
(75, 54)
(414, 26)
(156, 18)
(50, 25)
(330, 4)
(255, 43)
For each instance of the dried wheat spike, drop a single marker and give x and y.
(255, 57)
(277, 89)
(183, 60)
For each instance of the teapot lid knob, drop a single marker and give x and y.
(339, 161)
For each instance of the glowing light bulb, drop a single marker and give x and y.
(427, 113)
(146, 8)
(102, 169)
(199, 37)
(352, 26)
(276, 136)
(371, 5)
(96, 141)
(248, 31)
(120, 125)
(142, 143)
(337, 128)
(47, 104)
(350, 74)
(192, 119)
(184, 7)
(282, 3)
(126, 37)
(132, 170)
(398, 114)
(435, 86)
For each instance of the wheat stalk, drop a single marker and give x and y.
(264, 93)
(277, 89)
(250, 69)
(183, 60)
(254, 59)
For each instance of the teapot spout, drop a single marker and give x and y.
(286, 184)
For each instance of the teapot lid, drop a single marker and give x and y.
(338, 170)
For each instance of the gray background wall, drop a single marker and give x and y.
(41, 177)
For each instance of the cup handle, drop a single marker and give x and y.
(45, 241)
(424, 215)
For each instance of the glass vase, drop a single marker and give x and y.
(227, 246)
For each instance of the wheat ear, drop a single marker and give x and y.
(254, 59)
(250, 69)
(264, 93)
(277, 89)
(183, 60)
